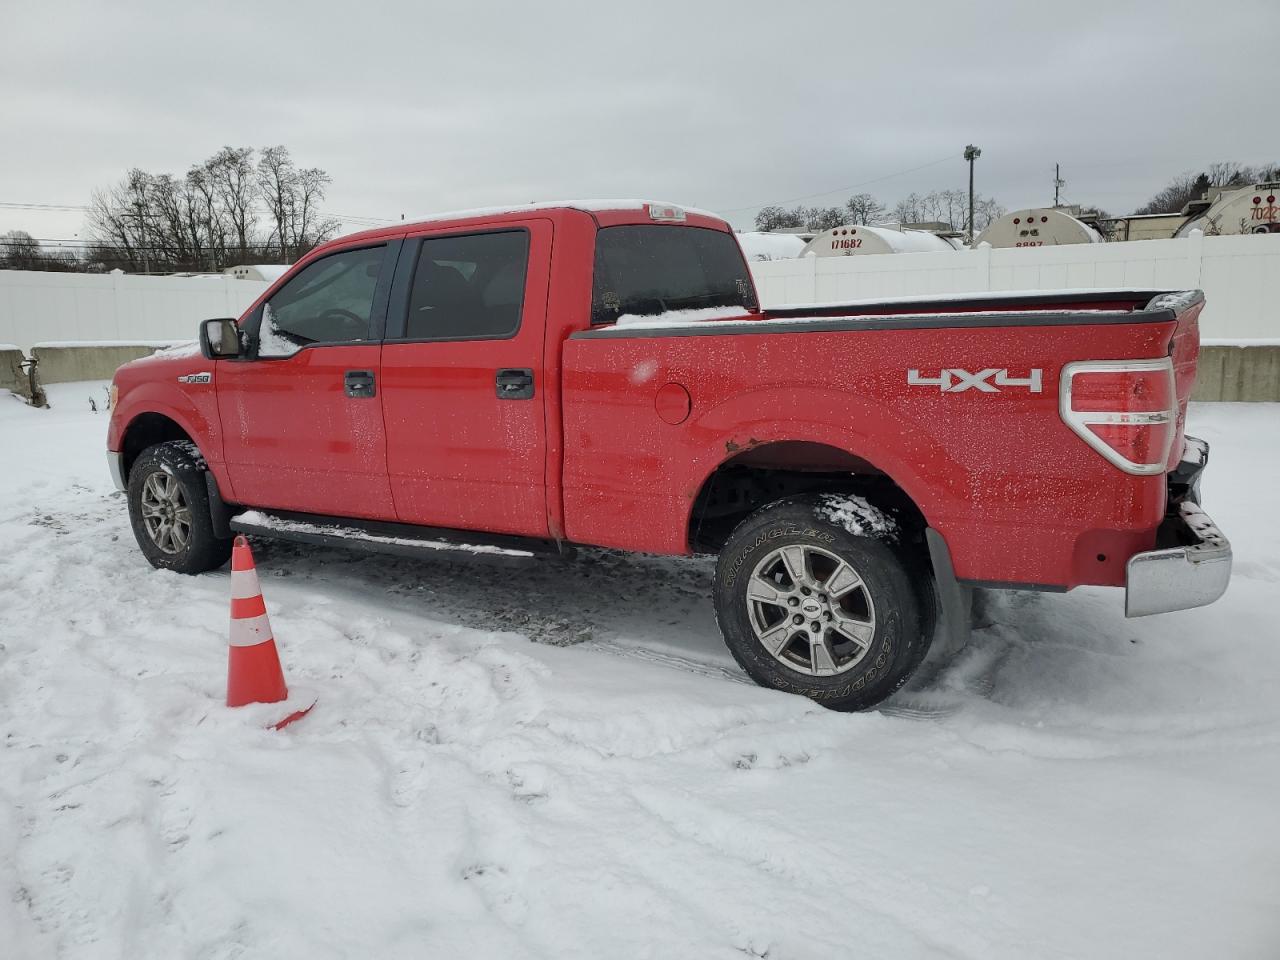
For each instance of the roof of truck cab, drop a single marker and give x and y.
(613, 211)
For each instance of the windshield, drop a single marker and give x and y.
(650, 269)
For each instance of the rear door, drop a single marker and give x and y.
(300, 415)
(462, 391)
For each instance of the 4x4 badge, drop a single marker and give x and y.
(987, 381)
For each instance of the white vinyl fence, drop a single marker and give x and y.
(1239, 275)
(37, 307)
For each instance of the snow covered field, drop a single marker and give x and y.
(1073, 785)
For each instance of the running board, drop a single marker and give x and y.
(375, 536)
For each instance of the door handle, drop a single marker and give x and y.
(359, 383)
(514, 384)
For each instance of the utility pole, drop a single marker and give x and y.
(142, 229)
(971, 153)
(1058, 183)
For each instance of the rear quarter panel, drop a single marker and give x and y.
(1017, 495)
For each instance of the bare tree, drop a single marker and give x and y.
(775, 218)
(864, 208)
(234, 178)
(209, 217)
(309, 227)
(823, 218)
(909, 209)
(1228, 173)
(986, 210)
(292, 197)
(19, 251)
(277, 185)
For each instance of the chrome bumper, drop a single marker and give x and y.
(115, 463)
(1192, 574)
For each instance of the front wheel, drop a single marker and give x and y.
(169, 510)
(815, 596)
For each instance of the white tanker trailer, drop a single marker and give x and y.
(862, 240)
(1251, 209)
(1038, 228)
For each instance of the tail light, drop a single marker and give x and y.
(1127, 410)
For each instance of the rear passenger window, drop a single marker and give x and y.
(468, 287)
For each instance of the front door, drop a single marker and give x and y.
(301, 416)
(462, 389)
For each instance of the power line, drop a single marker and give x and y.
(16, 205)
(864, 183)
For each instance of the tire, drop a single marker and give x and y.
(873, 628)
(166, 487)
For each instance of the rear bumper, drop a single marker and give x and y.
(1192, 566)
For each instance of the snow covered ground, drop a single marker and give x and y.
(1073, 785)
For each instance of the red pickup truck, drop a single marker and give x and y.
(601, 373)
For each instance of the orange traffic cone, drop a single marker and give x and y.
(253, 665)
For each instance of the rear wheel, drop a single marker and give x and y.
(169, 510)
(823, 602)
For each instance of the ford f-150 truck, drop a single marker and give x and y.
(602, 374)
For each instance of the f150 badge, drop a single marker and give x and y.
(196, 378)
(987, 381)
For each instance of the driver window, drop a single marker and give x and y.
(328, 301)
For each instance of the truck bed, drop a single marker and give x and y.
(853, 388)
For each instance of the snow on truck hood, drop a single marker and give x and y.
(177, 358)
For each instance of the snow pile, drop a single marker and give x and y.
(770, 246)
(1073, 785)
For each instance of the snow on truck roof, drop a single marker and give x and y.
(588, 206)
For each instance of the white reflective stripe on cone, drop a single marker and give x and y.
(244, 584)
(250, 631)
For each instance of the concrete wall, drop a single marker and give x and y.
(65, 363)
(36, 306)
(1238, 373)
(12, 376)
(1237, 274)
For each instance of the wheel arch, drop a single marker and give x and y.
(760, 472)
(145, 430)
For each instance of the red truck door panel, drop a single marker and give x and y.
(462, 391)
(302, 421)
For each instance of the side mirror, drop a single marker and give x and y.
(219, 339)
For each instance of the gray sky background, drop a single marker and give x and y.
(421, 107)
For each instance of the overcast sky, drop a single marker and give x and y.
(421, 107)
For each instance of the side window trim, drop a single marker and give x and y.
(397, 319)
(382, 292)
(377, 310)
